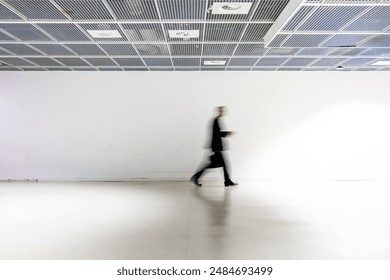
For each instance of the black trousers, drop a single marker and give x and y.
(216, 160)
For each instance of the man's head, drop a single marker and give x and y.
(221, 111)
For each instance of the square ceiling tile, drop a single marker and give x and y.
(64, 31)
(100, 61)
(20, 49)
(376, 19)
(382, 41)
(7, 14)
(15, 61)
(305, 40)
(271, 61)
(140, 10)
(282, 51)
(157, 61)
(85, 9)
(162, 69)
(4, 52)
(331, 18)
(52, 49)
(377, 52)
(129, 61)
(250, 50)
(224, 32)
(299, 16)
(328, 62)
(269, 10)
(110, 69)
(118, 49)
(186, 61)
(149, 32)
(182, 10)
(218, 49)
(314, 51)
(185, 49)
(85, 49)
(43, 61)
(345, 40)
(346, 51)
(152, 49)
(72, 61)
(24, 31)
(243, 61)
(358, 62)
(255, 32)
(37, 9)
(299, 61)
(5, 37)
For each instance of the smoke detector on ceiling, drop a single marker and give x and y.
(104, 33)
(228, 8)
(214, 62)
(184, 34)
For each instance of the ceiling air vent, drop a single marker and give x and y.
(184, 34)
(104, 33)
(228, 8)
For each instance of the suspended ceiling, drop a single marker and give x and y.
(275, 35)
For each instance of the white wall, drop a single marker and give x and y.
(123, 125)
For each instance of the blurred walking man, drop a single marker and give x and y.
(217, 159)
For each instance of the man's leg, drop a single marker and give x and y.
(198, 174)
(225, 169)
(228, 182)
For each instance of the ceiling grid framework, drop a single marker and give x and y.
(212, 35)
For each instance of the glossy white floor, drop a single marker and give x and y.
(262, 220)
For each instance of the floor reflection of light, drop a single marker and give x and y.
(257, 220)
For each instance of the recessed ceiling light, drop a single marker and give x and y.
(183, 34)
(214, 62)
(104, 33)
(382, 63)
(228, 8)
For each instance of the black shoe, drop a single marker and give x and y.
(230, 184)
(195, 181)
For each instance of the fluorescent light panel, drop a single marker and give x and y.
(382, 63)
(214, 62)
(105, 33)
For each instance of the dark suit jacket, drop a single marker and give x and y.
(216, 141)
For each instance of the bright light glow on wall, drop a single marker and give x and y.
(347, 141)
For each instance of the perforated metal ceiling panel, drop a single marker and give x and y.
(270, 35)
(181, 10)
(85, 9)
(218, 49)
(39, 9)
(24, 31)
(20, 49)
(64, 32)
